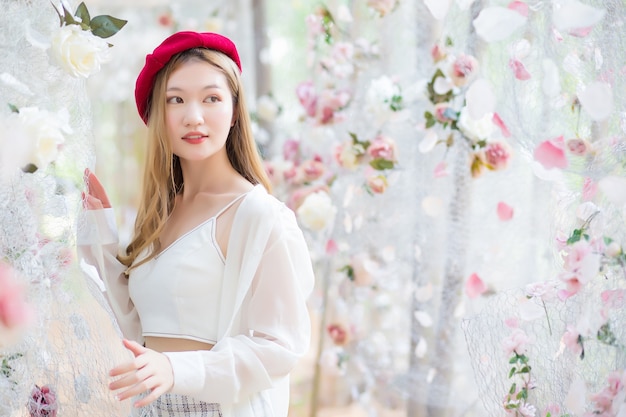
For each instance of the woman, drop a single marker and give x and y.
(211, 292)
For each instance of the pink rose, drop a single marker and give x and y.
(382, 147)
(443, 113)
(338, 334)
(308, 97)
(438, 53)
(496, 156)
(312, 170)
(571, 340)
(377, 184)
(577, 146)
(516, 342)
(291, 150)
(463, 69)
(43, 402)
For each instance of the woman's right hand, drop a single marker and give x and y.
(96, 198)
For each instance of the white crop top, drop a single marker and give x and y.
(177, 293)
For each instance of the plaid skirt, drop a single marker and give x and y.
(174, 405)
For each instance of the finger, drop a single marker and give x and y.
(92, 203)
(124, 368)
(155, 392)
(134, 347)
(96, 189)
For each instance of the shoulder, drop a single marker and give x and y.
(261, 207)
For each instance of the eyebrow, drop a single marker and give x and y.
(206, 87)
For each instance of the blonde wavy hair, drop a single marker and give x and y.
(162, 178)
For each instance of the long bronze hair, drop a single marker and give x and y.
(163, 178)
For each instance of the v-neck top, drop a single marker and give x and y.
(177, 293)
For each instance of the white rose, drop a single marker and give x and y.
(79, 52)
(46, 131)
(379, 96)
(476, 129)
(316, 211)
(267, 108)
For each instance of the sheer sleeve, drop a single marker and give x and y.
(274, 326)
(98, 245)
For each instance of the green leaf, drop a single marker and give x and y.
(105, 26)
(381, 164)
(512, 372)
(68, 18)
(513, 359)
(349, 271)
(30, 168)
(396, 103)
(513, 388)
(525, 370)
(606, 335)
(83, 14)
(575, 237)
(355, 138)
(13, 108)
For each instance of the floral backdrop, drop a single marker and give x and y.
(457, 167)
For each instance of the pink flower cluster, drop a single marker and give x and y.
(323, 107)
(338, 334)
(463, 69)
(609, 402)
(581, 264)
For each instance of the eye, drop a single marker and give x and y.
(212, 99)
(174, 100)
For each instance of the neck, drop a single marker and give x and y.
(215, 175)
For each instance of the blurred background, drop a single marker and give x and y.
(457, 167)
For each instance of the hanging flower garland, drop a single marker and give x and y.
(450, 90)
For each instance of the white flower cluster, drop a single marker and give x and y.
(317, 211)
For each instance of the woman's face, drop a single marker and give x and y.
(198, 110)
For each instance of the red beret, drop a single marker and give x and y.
(176, 43)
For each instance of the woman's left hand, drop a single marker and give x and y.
(150, 370)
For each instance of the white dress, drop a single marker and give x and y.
(263, 325)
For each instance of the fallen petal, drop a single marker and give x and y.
(597, 100)
(505, 212)
(551, 153)
(438, 8)
(520, 7)
(497, 120)
(498, 23)
(480, 99)
(520, 71)
(574, 14)
(424, 318)
(614, 188)
(441, 170)
(474, 286)
(429, 141)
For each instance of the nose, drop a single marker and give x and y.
(193, 115)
